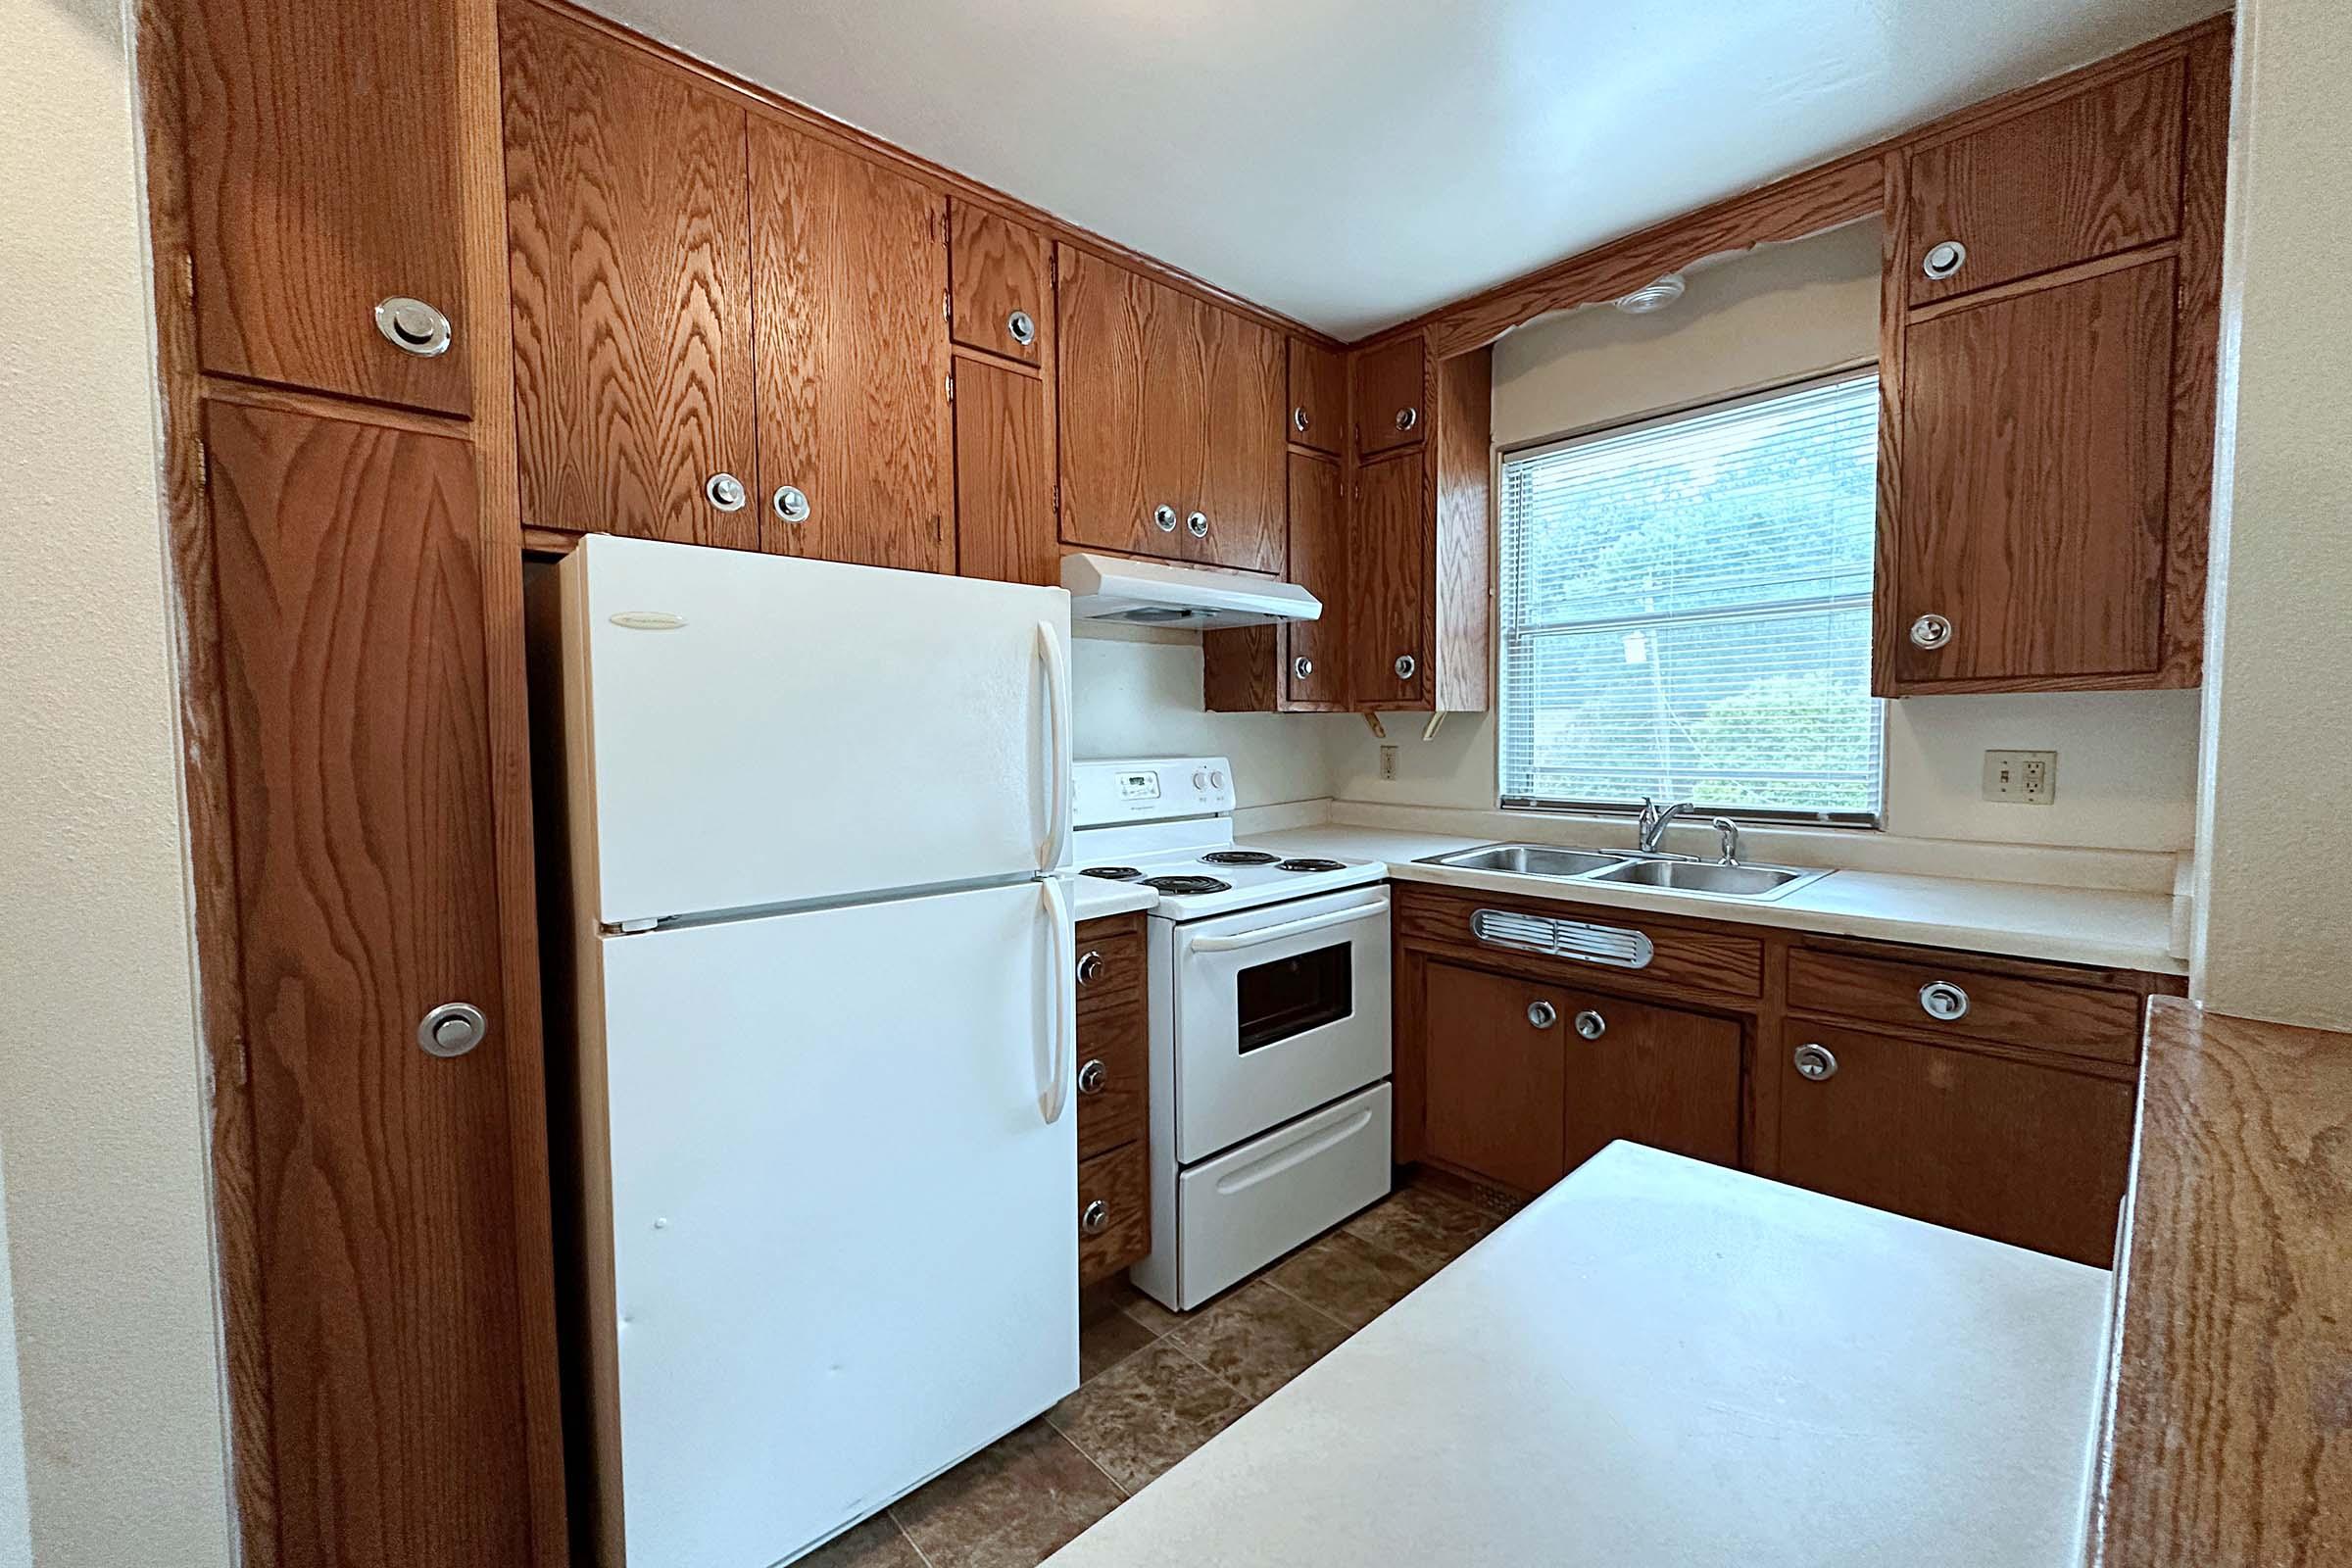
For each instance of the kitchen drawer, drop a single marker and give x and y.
(1110, 964)
(1113, 1051)
(1122, 1230)
(1680, 957)
(2079, 1020)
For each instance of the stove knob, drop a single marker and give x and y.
(1216, 780)
(1200, 781)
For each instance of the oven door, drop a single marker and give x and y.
(1277, 1011)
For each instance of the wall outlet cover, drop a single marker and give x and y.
(2021, 778)
(1388, 762)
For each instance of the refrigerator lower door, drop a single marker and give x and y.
(845, 1245)
(748, 731)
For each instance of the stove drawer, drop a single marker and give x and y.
(1246, 1208)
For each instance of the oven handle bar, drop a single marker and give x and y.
(1275, 933)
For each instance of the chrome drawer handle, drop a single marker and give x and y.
(1089, 968)
(1405, 664)
(1543, 1014)
(1942, 1000)
(1095, 1219)
(1301, 667)
(413, 326)
(789, 504)
(1196, 525)
(1944, 258)
(1023, 327)
(726, 492)
(1815, 1063)
(1163, 518)
(1300, 420)
(1592, 1025)
(1091, 1077)
(1407, 418)
(1931, 631)
(451, 1029)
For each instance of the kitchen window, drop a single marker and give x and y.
(1686, 611)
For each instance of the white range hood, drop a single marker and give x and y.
(1161, 593)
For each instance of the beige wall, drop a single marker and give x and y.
(1136, 692)
(2274, 902)
(101, 1112)
(2126, 770)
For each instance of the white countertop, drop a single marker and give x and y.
(1092, 897)
(2070, 925)
(1664, 1364)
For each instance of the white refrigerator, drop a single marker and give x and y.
(827, 1174)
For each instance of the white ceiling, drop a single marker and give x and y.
(1350, 163)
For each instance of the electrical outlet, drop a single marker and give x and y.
(2021, 778)
(1388, 762)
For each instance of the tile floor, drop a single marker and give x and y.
(1154, 1385)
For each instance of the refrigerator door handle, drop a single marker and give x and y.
(1064, 937)
(1056, 845)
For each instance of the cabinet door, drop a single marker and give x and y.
(323, 158)
(1317, 667)
(2017, 1151)
(1240, 497)
(849, 268)
(1004, 492)
(1391, 395)
(1000, 299)
(1134, 406)
(629, 257)
(1389, 563)
(1496, 1081)
(1656, 1075)
(2091, 175)
(1318, 412)
(351, 628)
(2032, 503)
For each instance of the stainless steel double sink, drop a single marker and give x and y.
(1631, 867)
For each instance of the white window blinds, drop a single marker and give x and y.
(1686, 611)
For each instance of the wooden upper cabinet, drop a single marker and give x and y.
(630, 265)
(1315, 653)
(999, 273)
(1003, 475)
(2031, 519)
(848, 273)
(1392, 396)
(1239, 502)
(1389, 569)
(387, 1324)
(1318, 413)
(323, 158)
(1134, 367)
(2095, 172)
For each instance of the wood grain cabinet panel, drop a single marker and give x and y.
(1240, 496)
(1003, 484)
(999, 274)
(1318, 413)
(2101, 1022)
(2034, 458)
(1315, 653)
(2088, 175)
(629, 257)
(1389, 569)
(1392, 396)
(351, 621)
(1133, 405)
(1113, 1058)
(2024, 1153)
(1658, 1076)
(322, 155)
(1117, 1234)
(849, 269)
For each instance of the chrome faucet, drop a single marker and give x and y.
(1651, 825)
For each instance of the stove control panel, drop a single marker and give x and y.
(1150, 789)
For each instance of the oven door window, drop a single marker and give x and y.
(1287, 997)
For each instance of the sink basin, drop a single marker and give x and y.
(1694, 876)
(1529, 859)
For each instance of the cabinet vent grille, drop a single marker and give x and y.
(1562, 939)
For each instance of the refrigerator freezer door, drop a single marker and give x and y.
(844, 1238)
(760, 730)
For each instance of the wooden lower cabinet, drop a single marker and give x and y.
(1533, 1079)
(2025, 1152)
(1114, 1173)
(385, 1357)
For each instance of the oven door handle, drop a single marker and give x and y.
(1275, 933)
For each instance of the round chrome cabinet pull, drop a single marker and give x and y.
(1592, 1025)
(1301, 418)
(1163, 518)
(1944, 258)
(726, 492)
(1023, 327)
(1942, 1000)
(1092, 1218)
(1196, 525)
(451, 1029)
(413, 326)
(789, 504)
(1091, 1077)
(1931, 631)
(1406, 664)
(1407, 418)
(1815, 1063)
(1301, 667)
(1543, 1014)
(1089, 968)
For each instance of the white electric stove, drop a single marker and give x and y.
(1269, 981)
